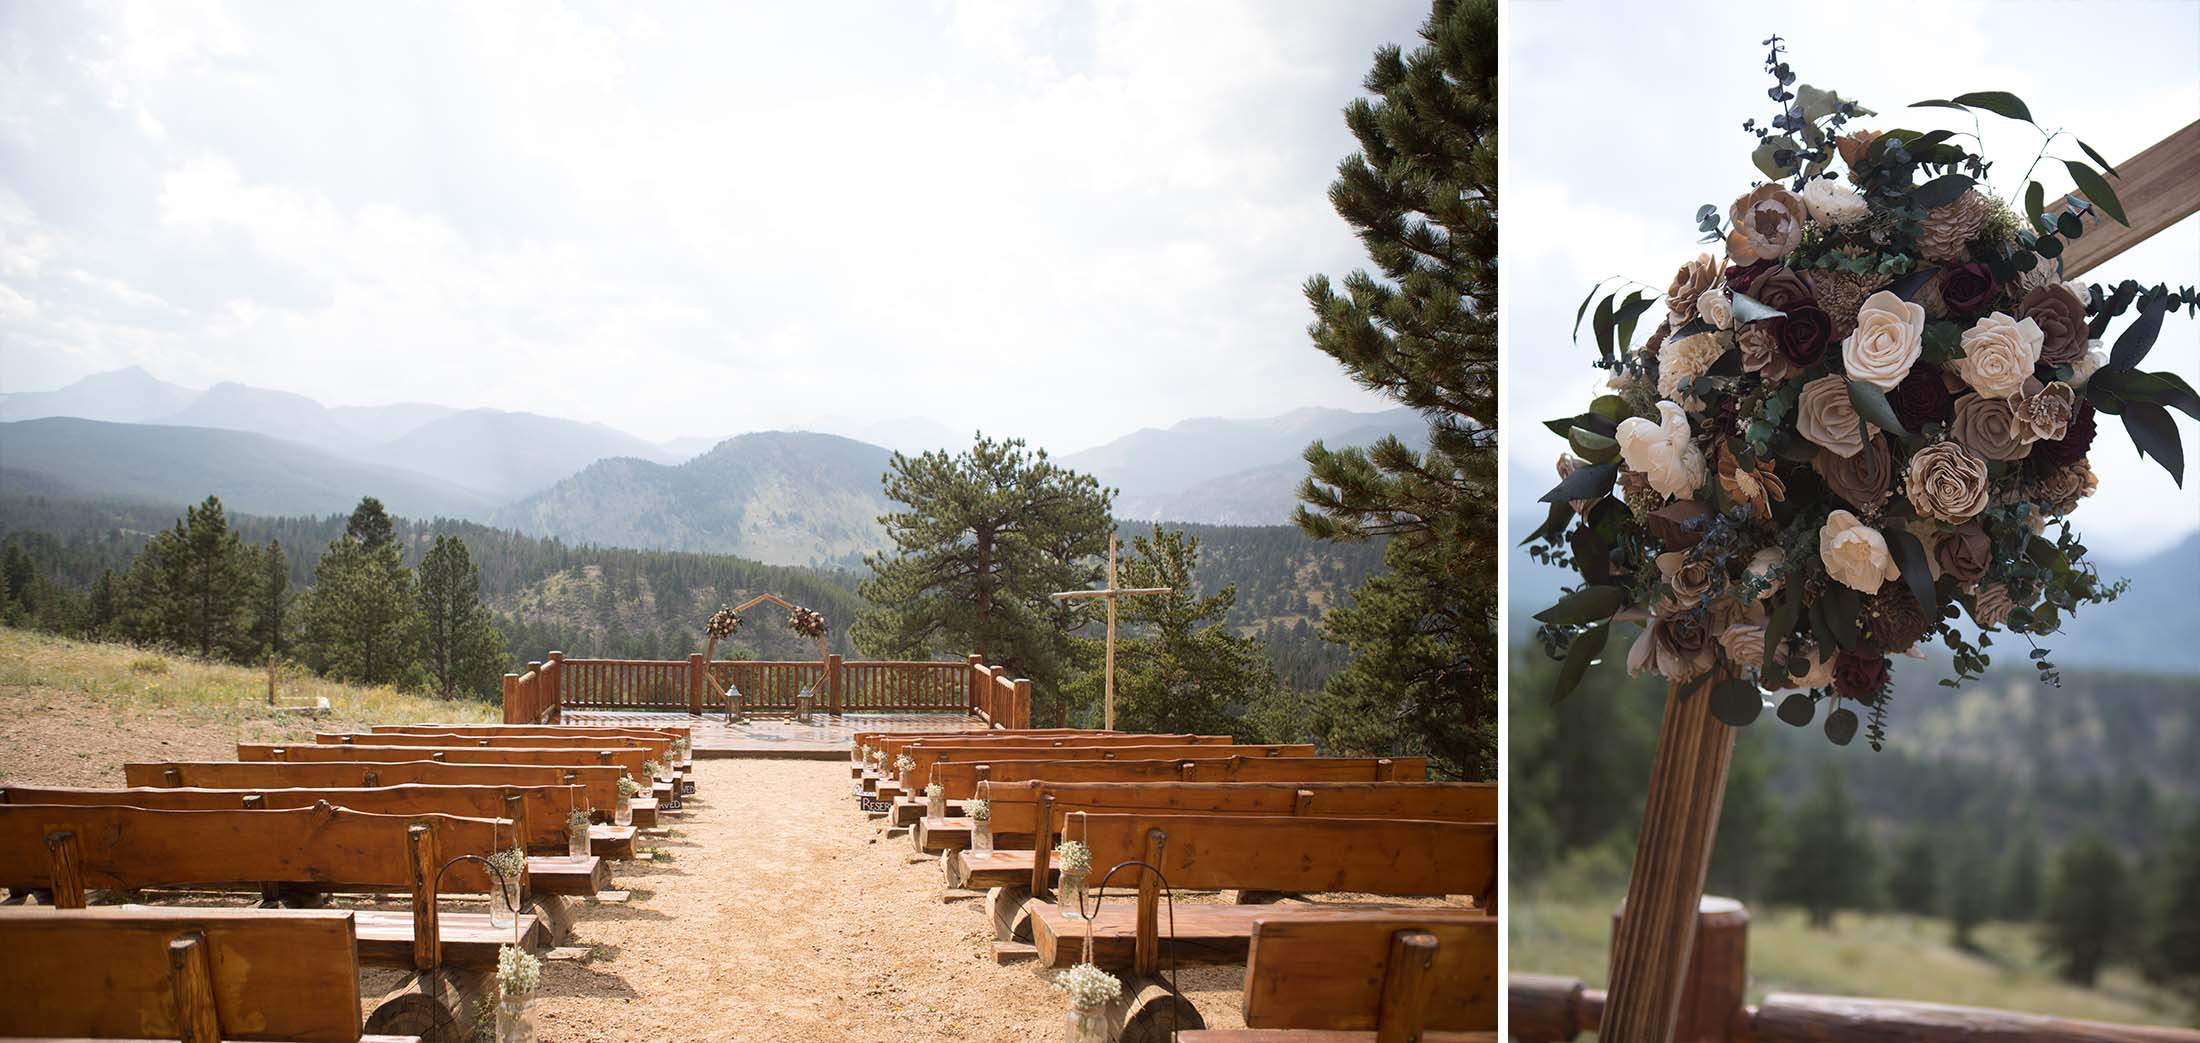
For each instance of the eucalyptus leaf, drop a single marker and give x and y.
(1841, 726)
(1602, 323)
(1871, 404)
(1586, 483)
(1561, 428)
(1917, 569)
(1766, 157)
(1554, 523)
(1797, 709)
(1637, 303)
(2096, 190)
(2152, 430)
(1579, 657)
(1736, 702)
(2096, 157)
(1750, 309)
(1593, 447)
(1610, 407)
(2137, 339)
(2000, 103)
(1584, 309)
(2035, 205)
(1586, 605)
(1942, 190)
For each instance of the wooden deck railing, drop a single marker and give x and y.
(547, 689)
(1549, 1009)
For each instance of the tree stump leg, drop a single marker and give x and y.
(1009, 910)
(556, 915)
(1260, 897)
(951, 868)
(292, 896)
(1150, 1013)
(439, 1006)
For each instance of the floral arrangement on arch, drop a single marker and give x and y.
(722, 624)
(1864, 421)
(806, 622)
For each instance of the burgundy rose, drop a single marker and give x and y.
(1922, 398)
(1739, 279)
(1860, 673)
(1966, 288)
(1803, 334)
(1783, 288)
(2049, 457)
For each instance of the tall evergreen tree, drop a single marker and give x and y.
(271, 600)
(1965, 890)
(460, 647)
(16, 574)
(2018, 897)
(1422, 195)
(1828, 861)
(188, 588)
(2173, 946)
(1181, 669)
(358, 619)
(1913, 882)
(104, 605)
(987, 535)
(1746, 821)
(2090, 910)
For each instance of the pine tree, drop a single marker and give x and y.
(1422, 195)
(188, 587)
(1181, 669)
(987, 535)
(1913, 883)
(271, 600)
(1746, 821)
(2173, 946)
(460, 647)
(104, 606)
(2090, 909)
(16, 575)
(359, 617)
(2018, 898)
(1966, 893)
(1828, 861)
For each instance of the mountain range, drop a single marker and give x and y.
(783, 497)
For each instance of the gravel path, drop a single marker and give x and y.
(785, 914)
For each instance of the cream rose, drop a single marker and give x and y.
(1889, 336)
(1716, 307)
(1663, 451)
(1744, 643)
(1855, 553)
(1998, 354)
(2083, 369)
(1824, 414)
(1833, 204)
(1768, 224)
(1946, 482)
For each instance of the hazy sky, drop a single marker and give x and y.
(1058, 221)
(1620, 125)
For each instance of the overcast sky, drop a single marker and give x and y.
(1058, 221)
(1620, 125)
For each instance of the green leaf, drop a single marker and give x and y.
(1561, 428)
(1579, 657)
(1602, 323)
(2152, 430)
(2163, 388)
(2035, 205)
(1584, 309)
(2068, 226)
(1797, 709)
(2137, 339)
(2096, 157)
(1783, 622)
(2049, 247)
(1586, 483)
(1765, 159)
(1586, 605)
(1942, 190)
(1610, 407)
(1871, 404)
(2096, 190)
(2000, 103)
(1592, 447)
(1736, 702)
(1750, 309)
(1553, 525)
(1637, 303)
(1917, 569)
(1842, 604)
(1841, 726)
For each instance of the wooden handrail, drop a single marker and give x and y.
(543, 691)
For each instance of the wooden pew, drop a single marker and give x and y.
(960, 780)
(1369, 977)
(629, 759)
(926, 755)
(541, 814)
(1254, 853)
(659, 746)
(677, 731)
(196, 974)
(893, 746)
(69, 851)
(600, 783)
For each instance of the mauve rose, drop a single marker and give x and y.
(1679, 525)
(2077, 439)
(1804, 334)
(1863, 480)
(1860, 674)
(1739, 278)
(1782, 288)
(1966, 288)
(1922, 398)
(1963, 552)
(2061, 318)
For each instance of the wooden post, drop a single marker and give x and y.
(512, 711)
(515, 808)
(1718, 971)
(1406, 985)
(832, 684)
(975, 679)
(1019, 710)
(191, 976)
(1650, 950)
(1147, 954)
(698, 679)
(426, 861)
(68, 869)
(271, 679)
(556, 693)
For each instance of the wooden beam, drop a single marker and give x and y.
(191, 971)
(2158, 188)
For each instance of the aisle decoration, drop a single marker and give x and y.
(1864, 414)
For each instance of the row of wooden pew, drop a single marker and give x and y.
(1274, 823)
(93, 947)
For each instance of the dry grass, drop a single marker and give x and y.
(1889, 956)
(71, 712)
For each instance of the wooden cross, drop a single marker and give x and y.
(1651, 946)
(1112, 592)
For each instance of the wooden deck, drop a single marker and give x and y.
(825, 738)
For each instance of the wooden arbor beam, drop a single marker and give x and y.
(2158, 188)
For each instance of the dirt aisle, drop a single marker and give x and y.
(785, 914)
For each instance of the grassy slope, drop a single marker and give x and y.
(71, 712)
(1888, 956)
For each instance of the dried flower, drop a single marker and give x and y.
(519, 974)
(1922, 398)
(1679, 525)
(1842, 294)
(1683, 360)
(1991, 605)
(1783, 288)
(1946, 483)
(1895, 619)
(1825, 416)
(1768, 224)
(2061, 489)
(1988, 427)
(1759, 487)
(1860, 674)
(1965, 288)
(1863, 480)
(1088, 986)
(1803, 334)
(722, 624)
(2060, 316)
(1947, 232)
(1664, 450)
(628, 787)
(1855, 554)
(1716, 306)
(2043, 413)
(934, 791)
(1761, 351)
(978, 810)
(1676, 647)
(1690, 578)
(1962, 553)
(1853, 147)
(1076, 857)
(1889, 336)
(1688, 284)
(2076, 441)
(1998, 354)
(1744, 643)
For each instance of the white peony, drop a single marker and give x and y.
(1663, 450)
(1833, 204)
(1999, 353)
(2083, 369)
(1889, 336)
(1855, 553)
(1681, 361)
(1716, 307)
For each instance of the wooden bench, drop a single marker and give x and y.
(541, 814)
(68, 851)
(599, 783)
(960, 781)
(190, 974)
(659, 746)
(1378, 977)
(1255, 853)
(893, 747)
(925, 756)
(629, 759)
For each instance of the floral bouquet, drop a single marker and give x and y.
(806, 622)
(722, 624)
(1868, 419)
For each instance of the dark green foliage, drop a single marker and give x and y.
(271, 620)
(189, 589)
(1913, 881)
(2173, 943)
(1966, 889)
(2090, 913)
(1828, 863)
(1178, 669)
(1749, 821)
(460, 648)
(359, 619)
(987, 535)
(2022, 878)
(1422, 195)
